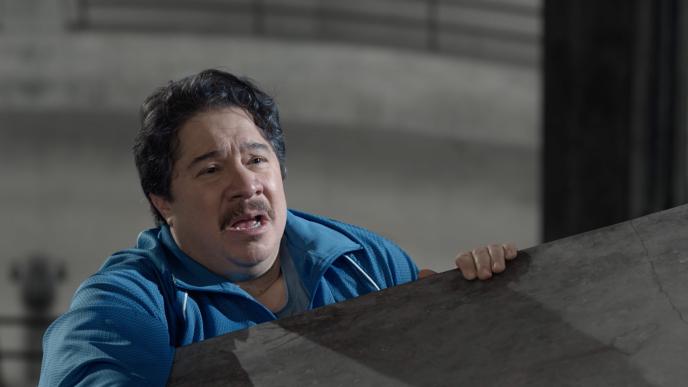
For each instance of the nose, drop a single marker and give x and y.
(245, 184)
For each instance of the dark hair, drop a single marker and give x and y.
(166, 110)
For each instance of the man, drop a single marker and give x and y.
(227, 253)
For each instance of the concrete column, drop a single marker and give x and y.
(614, 121)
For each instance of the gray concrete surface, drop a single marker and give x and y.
(605, 308)
(335, 86)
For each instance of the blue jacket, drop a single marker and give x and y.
(125, 321)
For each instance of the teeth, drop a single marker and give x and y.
(251, 226)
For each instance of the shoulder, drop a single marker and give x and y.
(134, 275)
(117, 320)
(357, 234)
(128, 278)
(134, 280)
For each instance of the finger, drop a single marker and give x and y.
(510, 251)
(497, 254)
(426, 273)
(481, 257)
(466, 264)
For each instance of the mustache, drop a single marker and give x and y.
(240, 209)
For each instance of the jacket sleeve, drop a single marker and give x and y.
(115, 334)
(385, 261)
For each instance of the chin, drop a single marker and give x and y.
(255, 259)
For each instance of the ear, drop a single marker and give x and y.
(164, 207)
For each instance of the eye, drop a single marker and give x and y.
(209, 170)
(258, 160)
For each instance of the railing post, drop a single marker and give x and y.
(258, 17)
(76, 14)
(37, 277)
(432, 24)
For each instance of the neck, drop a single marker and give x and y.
(262, 285)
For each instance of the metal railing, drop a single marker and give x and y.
(37, 277)
(38, 324)
(31, 355)
(502, 29)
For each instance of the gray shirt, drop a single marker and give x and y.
(297, 297)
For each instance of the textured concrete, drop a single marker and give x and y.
(605, 308)
(332, 85)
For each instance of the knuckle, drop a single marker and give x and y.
(480, 250)
(465, 266)
(463, 256)
(509, 250)
(463, 261)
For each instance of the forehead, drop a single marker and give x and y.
(217, 129)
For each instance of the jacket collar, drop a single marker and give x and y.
(187, 273)
(311, 243)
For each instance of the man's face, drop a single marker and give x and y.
(228, 208)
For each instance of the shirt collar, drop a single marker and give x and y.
(185, 269)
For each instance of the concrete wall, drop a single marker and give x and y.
(337, 86)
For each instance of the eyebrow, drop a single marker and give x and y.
(203, 157)
(216, 153)
(253, 146)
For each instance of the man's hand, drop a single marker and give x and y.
(481, 262)
(484, 261)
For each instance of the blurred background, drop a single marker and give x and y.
(423, 120)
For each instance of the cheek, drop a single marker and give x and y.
(279, 194)
(277, 198)
(198, 202)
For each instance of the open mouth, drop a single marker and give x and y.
(246, 223)
(250, 217)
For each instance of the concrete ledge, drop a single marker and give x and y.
(608, 307)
